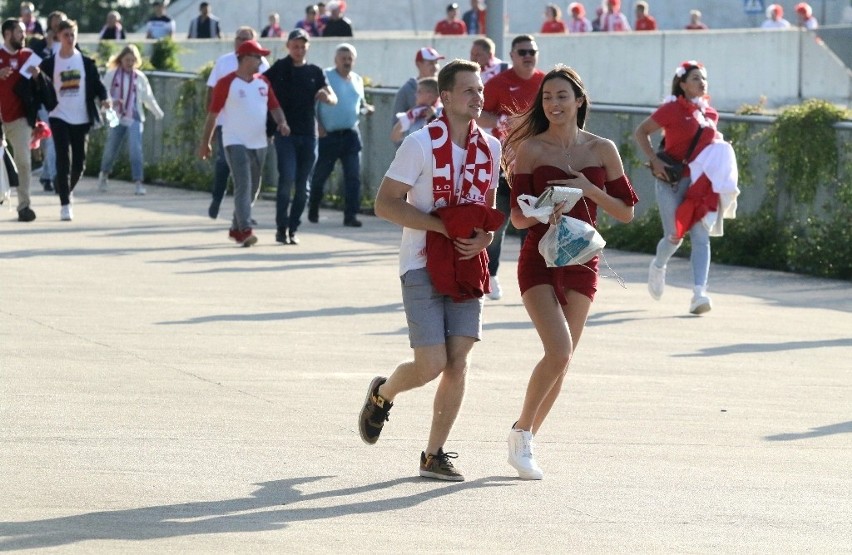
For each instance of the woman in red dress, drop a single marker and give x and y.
(548, 146)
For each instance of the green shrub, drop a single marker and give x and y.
(164, 55)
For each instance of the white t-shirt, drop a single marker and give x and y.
(775, 24)
(225, 64)
(69, 80)
(412, 165)
(243, 106)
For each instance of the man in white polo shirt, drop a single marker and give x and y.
(243, 99)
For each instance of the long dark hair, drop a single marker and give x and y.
(533, 121)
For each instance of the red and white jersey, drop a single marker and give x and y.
(10, 103)
(615, 23)
(242, 106)
(581, 25)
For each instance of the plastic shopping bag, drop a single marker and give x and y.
(541, 207)
(570, 242)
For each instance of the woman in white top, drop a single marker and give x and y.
(130, 92)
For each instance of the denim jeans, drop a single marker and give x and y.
(668, 199)
(48, 166)
(71, 141)
(246, 166)
(116, 135)
(297, 155)
(221, 170)
(344, 145)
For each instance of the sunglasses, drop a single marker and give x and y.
(525, 52)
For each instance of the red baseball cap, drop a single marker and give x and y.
(427, 53)
(252, 47)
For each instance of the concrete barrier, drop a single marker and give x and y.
(744, 64)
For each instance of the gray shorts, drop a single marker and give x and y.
(433, 317)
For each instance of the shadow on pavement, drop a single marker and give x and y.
(841, 428)
(271, 507)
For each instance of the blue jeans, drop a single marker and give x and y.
(116, 135)
(221, 170)
(297, 155)
(668, 199)
(246, 166)
(344, 145)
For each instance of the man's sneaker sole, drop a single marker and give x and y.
(448, 472)
(378, 380)
(445, 477)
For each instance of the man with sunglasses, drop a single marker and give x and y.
(507, 93)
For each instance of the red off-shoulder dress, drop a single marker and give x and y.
(532, 269)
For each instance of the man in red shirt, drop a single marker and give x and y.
(16, 128)
(452, 25)
(508, 93)
(644, 21)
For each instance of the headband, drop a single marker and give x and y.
(684, 68)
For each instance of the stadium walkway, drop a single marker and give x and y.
(164, 390)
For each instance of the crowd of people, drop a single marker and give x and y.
(608, 17)
(476, 139)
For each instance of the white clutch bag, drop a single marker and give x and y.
(557, 194)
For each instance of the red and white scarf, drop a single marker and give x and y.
(476, 175)
(126, 96)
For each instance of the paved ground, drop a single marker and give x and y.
(164, 390)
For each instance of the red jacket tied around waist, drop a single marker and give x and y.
(460, 279)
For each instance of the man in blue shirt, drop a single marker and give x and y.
(339, 137)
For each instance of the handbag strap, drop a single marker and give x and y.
(692, 145)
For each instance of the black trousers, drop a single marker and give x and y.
(70, 141)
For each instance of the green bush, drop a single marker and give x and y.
(164, 55)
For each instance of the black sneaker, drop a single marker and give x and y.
(352, 222)
(374, 413)
(439, 466)
(313, 214)
(48, 185)
(281, 237)
(26, 214)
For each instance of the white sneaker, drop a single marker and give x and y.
(496, 291)
(140, 190)
(65, 213)
(700, 304)
(656, 280)
(521, 455)
(102, 182)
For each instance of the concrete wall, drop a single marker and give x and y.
(635, 68)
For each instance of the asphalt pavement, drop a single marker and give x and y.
(163, 390)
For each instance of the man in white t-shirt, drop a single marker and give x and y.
(441, 332)
(159, 25)
(242, 99)
(225, 64)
